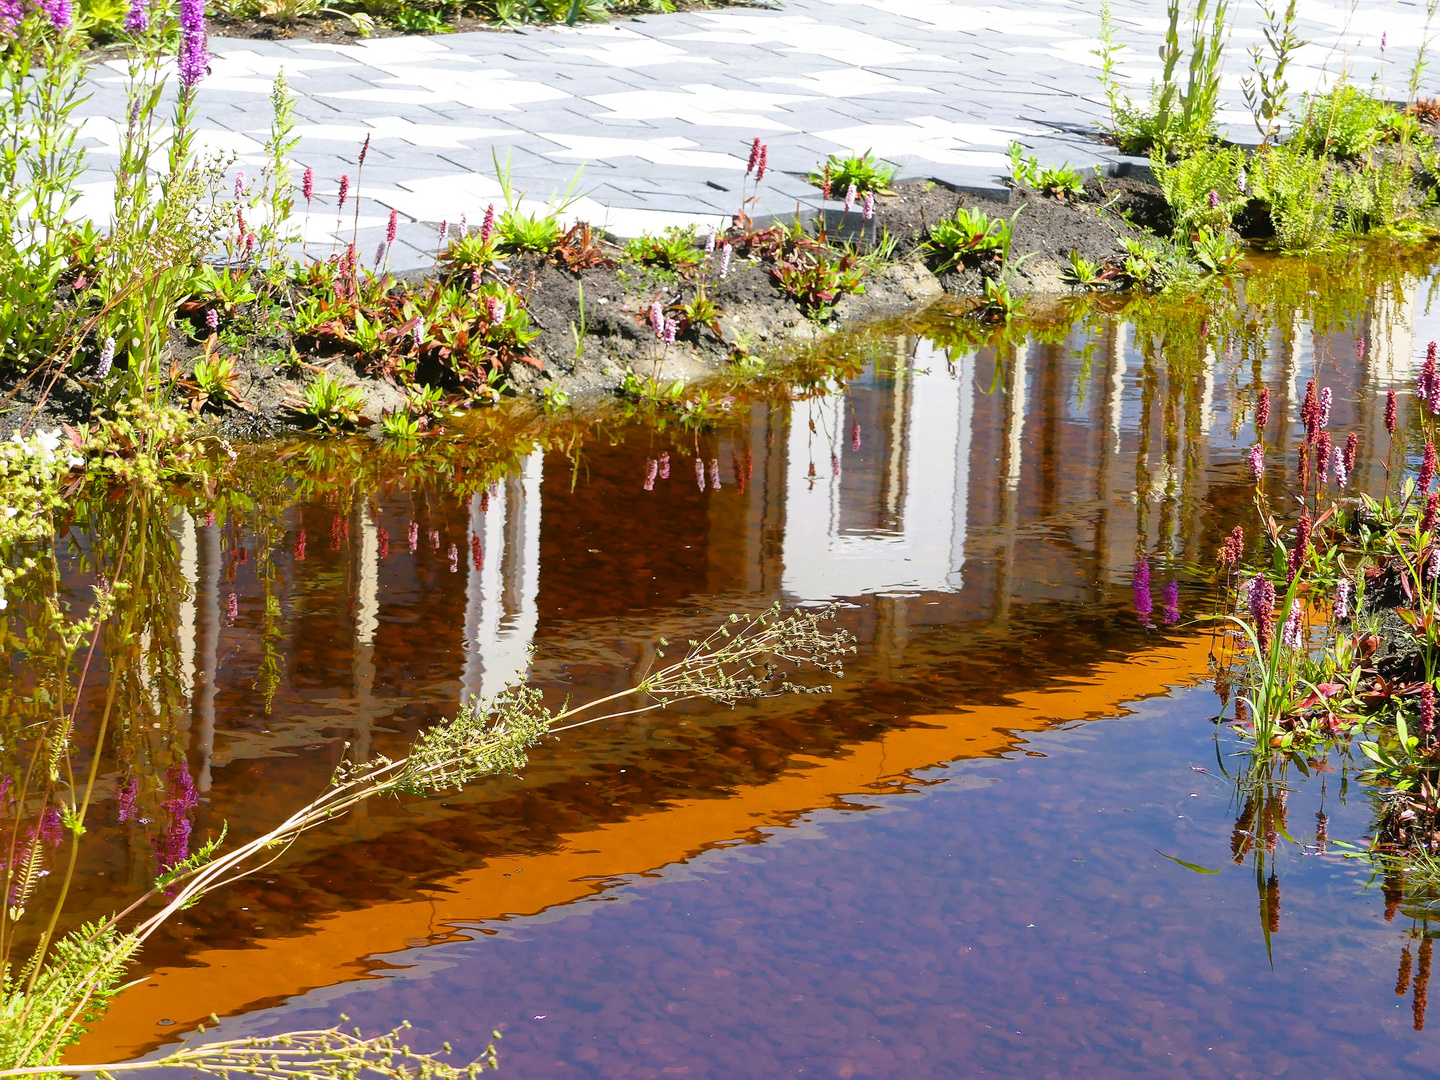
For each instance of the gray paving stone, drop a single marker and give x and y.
(861, 70)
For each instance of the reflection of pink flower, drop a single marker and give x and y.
(300, 546)
(414, 536)
(1170, 603)
(125, 798)
(715, 473)
(699, 473)
(51, 830)
(454, 554)
(232, 609)
(652, 469)
(477, 553)
(665, 465)
(172, 846)
(1140, 585)
(855, 436)
(1262, 410)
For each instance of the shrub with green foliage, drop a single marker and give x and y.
(1292, 185)
(1346, 122)
(1203, 188)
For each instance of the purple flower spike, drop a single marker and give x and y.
(137, 19)
(59, 12)
(11, 12)
(194, 58)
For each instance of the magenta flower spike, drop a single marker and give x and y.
(137, 19)
(194, 57)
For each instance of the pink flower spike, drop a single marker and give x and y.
(344, 188)
(307, 184)
(869, 206)
(657, 318)
(392, 228)
(851, 194)
(763, 165)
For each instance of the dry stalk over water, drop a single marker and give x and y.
(44, 1008)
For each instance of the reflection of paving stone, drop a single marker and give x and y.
(661, 109)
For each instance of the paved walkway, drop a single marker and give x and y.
(660, 111)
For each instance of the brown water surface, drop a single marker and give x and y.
(948, 866)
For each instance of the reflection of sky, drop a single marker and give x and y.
(1009, 918)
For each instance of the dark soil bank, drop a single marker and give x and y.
(594, 325)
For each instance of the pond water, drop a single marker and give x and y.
(969, 859)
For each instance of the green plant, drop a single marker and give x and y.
(1214, 251)
(1057, 180)
(1203, 188)
(817, 279)
(1417, 69)
(1379, 196)
(553, 399)
(673, 250)
(1023, 168)
(329, 404)
(400, 427)
(1177, 119)
(414, 20)
(700, 311)
(868, 174)
(967, 233)
(1267, 89)
(1081, 273)
(998, 302)
(570, 12)
(1347, 122)
(1060, 181)
(1291, 184)
(517, 231)
(214, 384)
(469, 254)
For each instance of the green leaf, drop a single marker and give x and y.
(1188, 865)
